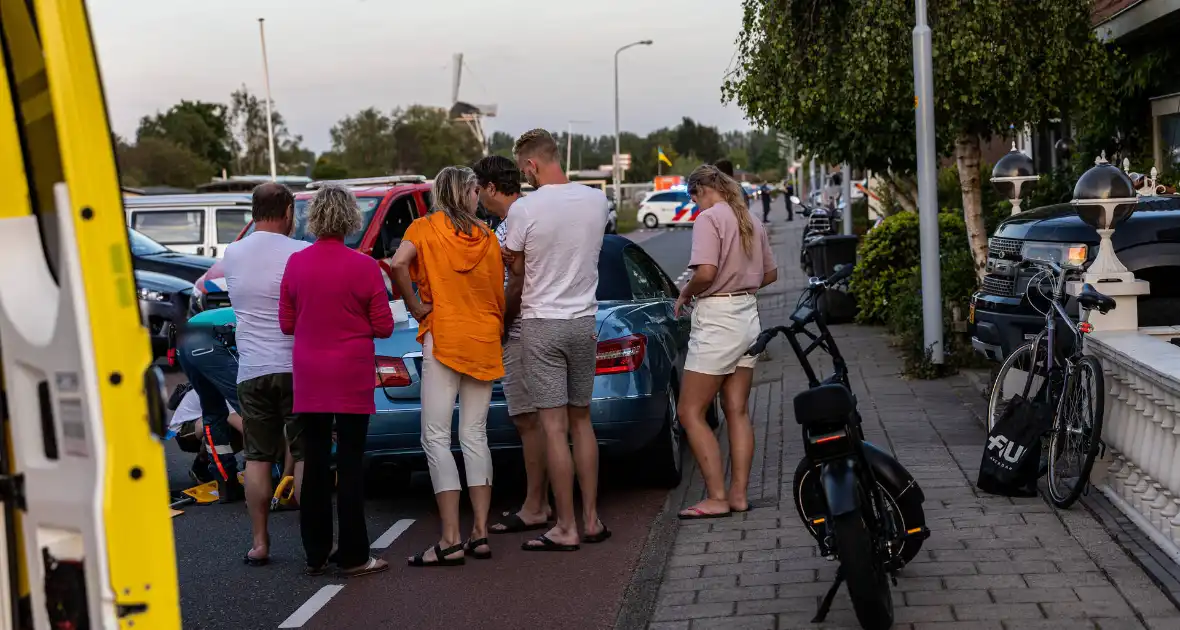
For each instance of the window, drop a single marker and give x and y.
(230, 222)
(144, 246)
(171, 227)
(683, 197)
(35, 121)
(648, 281)
(427, 199)
(367, 205)
(402, 212)
(664, 196)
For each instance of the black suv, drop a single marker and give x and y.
(1148, 243)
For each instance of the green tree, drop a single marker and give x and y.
(155, 161)
(329, 166)
(363, 143)
(200, 127)
(251, 148)
(426, 140)
(829, 73)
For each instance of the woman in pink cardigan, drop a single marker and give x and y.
(333, 300)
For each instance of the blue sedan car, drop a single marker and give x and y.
(641, 349)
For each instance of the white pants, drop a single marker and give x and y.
(440, 385)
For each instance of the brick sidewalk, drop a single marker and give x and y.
(991, 562)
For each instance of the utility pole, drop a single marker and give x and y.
(846, 192)
(270, 129)
(927, 185)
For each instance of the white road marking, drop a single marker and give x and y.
(392, 533)
(312, 606)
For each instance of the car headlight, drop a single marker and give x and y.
(149, 295)
(1071, 255)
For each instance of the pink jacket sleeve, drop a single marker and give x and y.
(380, 317)
(287, 302)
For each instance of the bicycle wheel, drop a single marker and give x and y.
(1077, 434)
(1021, 374)
(868, 585)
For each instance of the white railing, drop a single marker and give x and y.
(1141, 429)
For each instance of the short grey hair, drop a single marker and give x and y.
(333, 212)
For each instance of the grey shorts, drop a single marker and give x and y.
(559, 357)
(515, 385)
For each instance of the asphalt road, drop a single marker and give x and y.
(515, 589)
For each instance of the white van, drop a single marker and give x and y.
(201, 224)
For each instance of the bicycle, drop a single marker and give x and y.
(1060, 375)
(859, 503)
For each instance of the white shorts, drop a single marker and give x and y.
(722, 329)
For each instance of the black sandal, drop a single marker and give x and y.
(316, 571)
(513, 524)
(547, 544)
(470, 547)
(440, 557)
(255, 562)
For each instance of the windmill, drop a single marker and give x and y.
(464, 112)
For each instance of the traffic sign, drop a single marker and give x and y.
(623, 160)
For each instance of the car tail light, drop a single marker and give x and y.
(624, 354)
(392, 372)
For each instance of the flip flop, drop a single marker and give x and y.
(374, 565)
(514, 524)
(696, 514)
(316, 571)
(602, 536)
(547, 544)
(255, 562)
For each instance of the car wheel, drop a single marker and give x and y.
(650, 221)
(662, 459)
(714, 415)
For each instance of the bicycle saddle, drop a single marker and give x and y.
(1091, 299)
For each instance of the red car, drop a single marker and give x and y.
(388, 205)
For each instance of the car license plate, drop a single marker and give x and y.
(971, 315)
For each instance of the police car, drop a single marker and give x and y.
(668, 207)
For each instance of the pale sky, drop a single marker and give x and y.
(543, 62)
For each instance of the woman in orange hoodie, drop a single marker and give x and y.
(455, 259)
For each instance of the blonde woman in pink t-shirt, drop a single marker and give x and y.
(731, 259)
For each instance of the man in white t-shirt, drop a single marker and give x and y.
(555, 236)
(499, 190)
(254, 269)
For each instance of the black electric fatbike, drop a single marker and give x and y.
(859, 503)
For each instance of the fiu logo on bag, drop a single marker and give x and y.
(1010, 451)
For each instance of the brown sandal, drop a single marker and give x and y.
(374, 565)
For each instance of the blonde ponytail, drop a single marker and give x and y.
(709, 176)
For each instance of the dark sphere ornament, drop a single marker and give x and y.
(1014, 164)
(1104, 196)
(1064, 148)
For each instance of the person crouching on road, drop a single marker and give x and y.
(499, 188)
(205, 355)
(333, 301)
(456, 261)
(730, 259)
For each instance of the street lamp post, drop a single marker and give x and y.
(270, 130)
(617, 173)
(927, 185)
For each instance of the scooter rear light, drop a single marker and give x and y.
(624, 354)
(392, 372)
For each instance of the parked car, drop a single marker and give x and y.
(1002, 314)
(148, 255)
(670, 207)
(163, 306)
(641, 349)
(201, 224)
